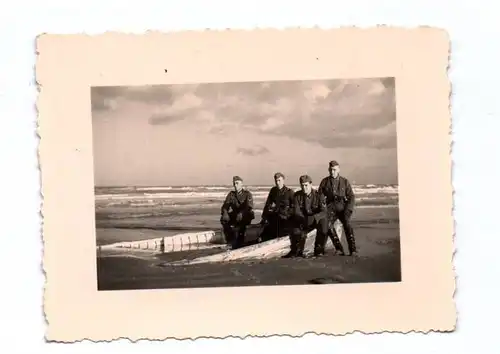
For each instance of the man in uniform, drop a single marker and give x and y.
(340, 204)
(309, 213)
(237, 213)
(277, 209)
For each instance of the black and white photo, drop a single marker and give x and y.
(246, 183)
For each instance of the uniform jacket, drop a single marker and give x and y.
(339, 195)
(282, 200)
(317, 206)
(235, 203)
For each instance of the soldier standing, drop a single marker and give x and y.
(309, 213)
(277, 209)
(237, 213)
(340, 205)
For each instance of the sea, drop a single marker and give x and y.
(177, 209)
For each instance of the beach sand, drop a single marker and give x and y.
(378, 261)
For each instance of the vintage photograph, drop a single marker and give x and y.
(246, 183)
(221, 170)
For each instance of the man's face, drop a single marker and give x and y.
(334, 171)
(279, 182)
(238, 185)
(306, 187)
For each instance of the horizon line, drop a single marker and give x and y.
(220, 185)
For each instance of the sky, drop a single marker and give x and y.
(203, 134)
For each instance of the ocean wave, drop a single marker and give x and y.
(114, 190)
(212, 192)
(151, 210)
(185, 195)
(153, 188)
(192, 212)
(142, 201)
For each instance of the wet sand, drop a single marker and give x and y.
(134, 229)
(378, 261)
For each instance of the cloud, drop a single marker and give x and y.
(258, 150)
(159, 119)
(104, 98)
(155, 94)
(331, 113)
(271, 124)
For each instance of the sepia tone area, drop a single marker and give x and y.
(164, 161)
(68, 66)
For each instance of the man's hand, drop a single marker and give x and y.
(263, 221)
(301, 221)
(239, 217)
(283, 216)
(225, 217)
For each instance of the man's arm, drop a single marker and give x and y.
(322, 187)
(349, 194)
(288, 205)
(250, 201)
(322, 208)
(226, 204)
(265, 211)
(297, 212)
(248, 212)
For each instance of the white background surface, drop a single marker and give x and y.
(475, 34)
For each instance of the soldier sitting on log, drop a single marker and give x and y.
(309, 213)
(237, 213)
(277, 209)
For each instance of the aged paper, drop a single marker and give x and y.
(69, 65)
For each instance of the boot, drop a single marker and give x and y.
(300, 248)
(228, 234)
(291, 254)
(352, 245)
(320, 243)
(319, 250)
(339, 249)
(239, 240)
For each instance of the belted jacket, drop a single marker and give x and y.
(279, 202)
(238, 202)
(306, 206)
(338, 194)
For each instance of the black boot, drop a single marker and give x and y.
(319, 250)
(291, 254)
(339, 249)
(337, 245)
(300, 254)
(239, 240)
(320, 243)
(300, 248)
(352, 245)
(229, 234)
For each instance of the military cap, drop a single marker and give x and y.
(305, 179)
(333, 163)
(278, 175)
(237, 178)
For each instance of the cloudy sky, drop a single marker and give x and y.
(206, 133)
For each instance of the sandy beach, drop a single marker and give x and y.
(379, 261)
(127, 214)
